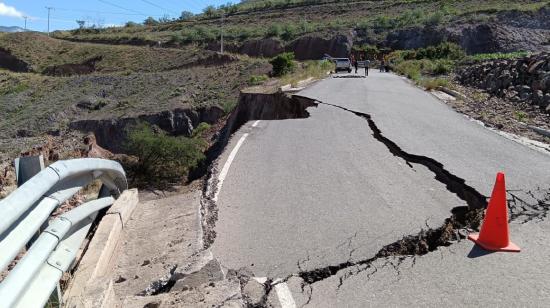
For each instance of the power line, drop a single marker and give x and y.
(158, 6)
(191, 3)
(121, 7)
(100, 12)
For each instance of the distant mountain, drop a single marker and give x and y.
(11, 29)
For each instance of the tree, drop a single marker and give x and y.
(150, 21)
(185, 15)
(209, 11)
(164, 19)
(81, 24)
(283, 64)
(163, 159)
(130, 24)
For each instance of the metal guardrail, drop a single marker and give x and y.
(31, 282)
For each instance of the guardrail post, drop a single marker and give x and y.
(27, 167)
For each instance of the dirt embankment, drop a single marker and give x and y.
(304, 48)
(52, 149)
(112, 133)
(505, 32)
(70, 69)
(12, 63)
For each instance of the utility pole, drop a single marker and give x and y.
(25, 22)
(221, 38)
(49, 9)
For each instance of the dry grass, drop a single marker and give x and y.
(323, 18)
(305, 70)
(41, 51)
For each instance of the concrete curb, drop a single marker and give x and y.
(452, 93)
(91, 285)
(300, 85)
(538, 130)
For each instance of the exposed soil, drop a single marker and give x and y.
(86, 67)
(12, 63)
(501, 114)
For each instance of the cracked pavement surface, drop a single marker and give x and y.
(307, 194)
(301, 188)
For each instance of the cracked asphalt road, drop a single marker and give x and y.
(307, 193)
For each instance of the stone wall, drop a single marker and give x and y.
(518, 80)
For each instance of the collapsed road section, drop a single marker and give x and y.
(451, 230)
(252, 106)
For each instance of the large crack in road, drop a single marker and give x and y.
(455, 228)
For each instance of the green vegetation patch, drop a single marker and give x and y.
(497, 56)
(285, 19)
(163, 160)
(283, 64)
(424, 65)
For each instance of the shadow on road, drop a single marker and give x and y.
(477, 252)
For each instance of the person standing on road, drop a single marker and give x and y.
(367, 63)
(382, 65)
(356, 64)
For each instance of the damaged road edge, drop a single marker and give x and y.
(252, 106)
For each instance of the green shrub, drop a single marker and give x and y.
(290, 32)
(150, 21)
(209, 11)
(228, 106)
(274, 30)
(198, 34)
(176, 38)
(520, 115)
(186, 15)
(443, 67)
(434, 19)
(433, 83)
(370, 51)
(497, 55)
(257, 80)
(444, 50)
(411, 69)
(283, 64)
(162, 159)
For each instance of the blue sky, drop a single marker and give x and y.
(106, 12)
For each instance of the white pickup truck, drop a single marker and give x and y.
(342, 64)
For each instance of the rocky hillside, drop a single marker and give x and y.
(265, 28)
(524, 80)
(49, 86)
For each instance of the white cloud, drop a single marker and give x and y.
(9, 11)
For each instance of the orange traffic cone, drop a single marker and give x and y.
(495, 234)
